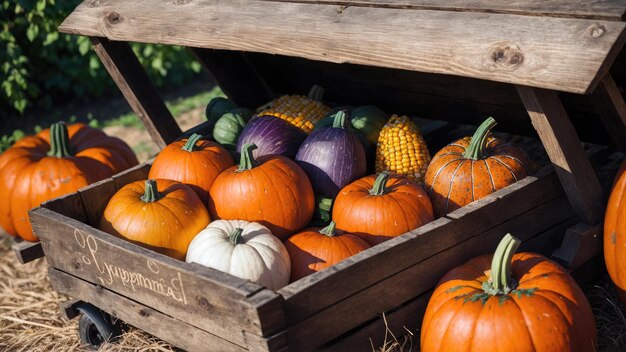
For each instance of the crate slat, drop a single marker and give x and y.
(403, 286)
(592, 9)
(555, 53)
(319, 290)
(143, 317)
(25, 251)
(206, 298)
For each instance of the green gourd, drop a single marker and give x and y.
(217, 108)
(229, 126)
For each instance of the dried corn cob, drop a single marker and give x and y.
(402, 150)
(300, 111)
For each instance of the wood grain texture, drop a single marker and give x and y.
(565, 151)
(593, 9)
(396, 289)
(555, 53)
(612, 110)
(172, 330)
(203, 297)
(25, 251)
(322, 289)
(122, 64)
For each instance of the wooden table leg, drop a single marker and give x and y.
(566, 153)
(131, 78)
(610, 105)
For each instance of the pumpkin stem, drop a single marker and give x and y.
(247, 161)
(329, 230)
(316, 93)
(478, 143)
(501, 280)
(152, 193)
(59, 140)
(236, 236)
(340, 119)
(379, 185)
(191, 142)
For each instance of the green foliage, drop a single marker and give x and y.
(40, 67)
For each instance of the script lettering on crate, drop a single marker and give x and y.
(110, 273)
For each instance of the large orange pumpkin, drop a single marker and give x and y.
(377, 208)
(615, 234)
(194, 162)
(472, 168)
(314, 249)
(52, 163)
(271, 190)
(525, 303)
(162, 215)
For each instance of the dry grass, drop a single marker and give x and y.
(29, 313)
(30, 320)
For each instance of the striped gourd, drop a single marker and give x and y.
(402, 150)
(300, 111)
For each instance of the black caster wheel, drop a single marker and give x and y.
(96, 327)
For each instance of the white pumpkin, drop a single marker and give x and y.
(244, 249)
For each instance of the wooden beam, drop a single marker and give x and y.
(581, 243)
(237, 78)
(565, 151)
(591, 9)
(26, 252)
(610, 105)
(555, 53)
(122, 64)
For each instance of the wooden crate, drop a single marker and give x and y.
(165, 297)
(540, 68)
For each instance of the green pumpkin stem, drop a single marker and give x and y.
(501, 279)
(316, 93)
(191, 142)
(329, 230)
(340, 119)
(379, 185)
(59, 140)
(247, 161)
(152, 193)
(478, 143)
(236, 236)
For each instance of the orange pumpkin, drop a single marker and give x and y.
(194, 162)
(525, 303)
(271, 190)
(162, 215)
(52, 163)
(377, 208)
(314, 249)
(472, 168)
(615, 233)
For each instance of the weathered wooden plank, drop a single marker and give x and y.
(320, 290)
(239, 81)
(553, 53)
(122, 64)
(144, 317)
(209, 299)
(592, 9)
(26, 252)
(388, 293)
(565, 151)
(581, 243)
(139, 172)
(95, 198)
(70, 205)
(399, 322)
(612, 110)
